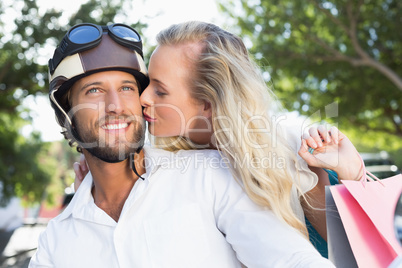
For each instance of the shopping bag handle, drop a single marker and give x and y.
(367, 175)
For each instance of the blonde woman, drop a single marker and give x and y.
(206, 92)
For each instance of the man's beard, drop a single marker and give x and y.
(90, 140)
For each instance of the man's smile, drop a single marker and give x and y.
(114, 126)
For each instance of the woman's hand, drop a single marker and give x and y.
(332, 150)
(80, 170)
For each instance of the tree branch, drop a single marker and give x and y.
(391, 113)
(353, 32)
(359, 5)
(324, 45)
(5, 68)
(366, 60)
(358, 123)
(337, 56)
(397, 127)
(330, 16)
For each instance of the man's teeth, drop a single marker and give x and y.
(115, 126)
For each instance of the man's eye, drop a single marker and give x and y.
(93, 90)
(127, 88)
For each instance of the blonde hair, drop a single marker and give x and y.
(225, 76)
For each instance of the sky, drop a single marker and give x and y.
(158, 14)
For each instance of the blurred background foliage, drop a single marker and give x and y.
(314, 53)
(317, 52)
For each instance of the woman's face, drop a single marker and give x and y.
(168, 105)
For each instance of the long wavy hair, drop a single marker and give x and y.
(245, 129)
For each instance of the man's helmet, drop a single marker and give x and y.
(87, 49)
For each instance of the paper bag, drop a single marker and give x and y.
(366, 209)
(339, 251)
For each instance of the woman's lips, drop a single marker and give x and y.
(148, 118)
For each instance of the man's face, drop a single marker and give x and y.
(107, 115)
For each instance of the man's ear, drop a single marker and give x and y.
(207, 112)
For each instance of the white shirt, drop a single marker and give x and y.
(188, 212)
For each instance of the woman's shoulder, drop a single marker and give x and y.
(206, 153)
(155, 152)
(206, 161)
(210, 161)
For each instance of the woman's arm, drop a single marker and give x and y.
(334, 151)
(314, 203)
(80, 170)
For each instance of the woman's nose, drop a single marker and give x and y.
(146, 97)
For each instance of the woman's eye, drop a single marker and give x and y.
(159, 93)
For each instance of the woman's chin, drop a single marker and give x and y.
(160, 134)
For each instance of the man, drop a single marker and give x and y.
(183, 211)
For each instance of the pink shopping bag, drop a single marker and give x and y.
(366, 209)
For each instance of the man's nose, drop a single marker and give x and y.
(114, 103)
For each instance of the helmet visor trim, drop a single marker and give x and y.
(85, 36)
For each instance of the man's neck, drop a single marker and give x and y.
(112, 183)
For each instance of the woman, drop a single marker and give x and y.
(220, 100)
(205, 92)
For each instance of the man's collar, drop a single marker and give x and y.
(81, 197)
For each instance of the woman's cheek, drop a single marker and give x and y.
(170, 121)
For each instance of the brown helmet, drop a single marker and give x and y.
(106, 55)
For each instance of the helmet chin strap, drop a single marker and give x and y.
(132, 162)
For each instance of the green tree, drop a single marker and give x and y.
(324, 51)
(24, 167)
(22, 174)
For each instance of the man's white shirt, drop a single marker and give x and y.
(188, 211)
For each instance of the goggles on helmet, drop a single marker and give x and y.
(85, 36)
